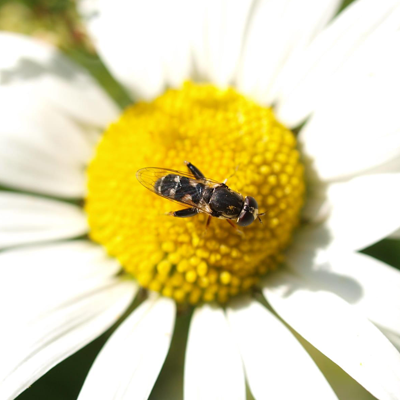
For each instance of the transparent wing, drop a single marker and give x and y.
(149, 178)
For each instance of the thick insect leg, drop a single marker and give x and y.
(185, 213)
(195, 171)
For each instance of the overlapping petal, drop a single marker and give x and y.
(363, 126)
(128, 365)
(273, 357)
(277, 30)
(337, 330)
(31, 69)
(51, 110)
(28, 219)
(37, 342)
(48, 274)
(153, 41)
(307, 79)
(359, 212)
(369, 285)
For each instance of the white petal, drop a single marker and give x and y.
(213, 368)
(28, 219)
(369, 285)
(343, 384)
(364, 210)
(276, 31)
(393, 337)
(339, 332)
(218, 38)
(273, 357)
(364, 125)
(358, 213)
(49, 272)
(64, 262)
(389, 167)
(35, 70)
(52, 275)
(50, 108)
(144, 44)
(34, 348)
(307, 80)
(395, 234)
(165, 43)
(41, 149)
(129, 363)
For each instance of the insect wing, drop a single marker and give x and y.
(150, 178)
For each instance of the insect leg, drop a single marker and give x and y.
(185, 213)
(234, 227)
(208, 221)
(194, 170)
(230, 176)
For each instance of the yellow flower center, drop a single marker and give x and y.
(224, 135)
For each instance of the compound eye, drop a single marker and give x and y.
(249, 212)
(245, 218)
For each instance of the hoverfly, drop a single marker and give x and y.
(203, 195)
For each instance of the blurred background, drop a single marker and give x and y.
(57, 22)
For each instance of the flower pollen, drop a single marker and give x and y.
(224, 135)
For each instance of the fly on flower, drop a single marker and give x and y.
(203, 195)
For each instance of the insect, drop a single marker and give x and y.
(203, 195)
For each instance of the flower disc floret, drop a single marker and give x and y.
(225, 135)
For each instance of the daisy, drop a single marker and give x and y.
(205, 76)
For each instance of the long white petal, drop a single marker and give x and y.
(64, 262)
(129, 363)
(213, 368)
(393, 337)
(148, 45)
(369, 285)
(276, 32)
(343, 384)
(168, 42)
(36, 70)
(364, 125)
(30, 351)
(338, 331)
(219, 38)
(395, 234)
(28, 219)
(41, 150)
(273, 357)
(352, 214)
(364, 210)
(309, 77)
(50, 112)
(58, 272)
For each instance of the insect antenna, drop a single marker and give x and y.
(260, 215)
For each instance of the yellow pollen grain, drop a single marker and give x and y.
(225, 135)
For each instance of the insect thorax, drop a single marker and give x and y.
(226, 201)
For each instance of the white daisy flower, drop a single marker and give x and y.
(340, 78)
